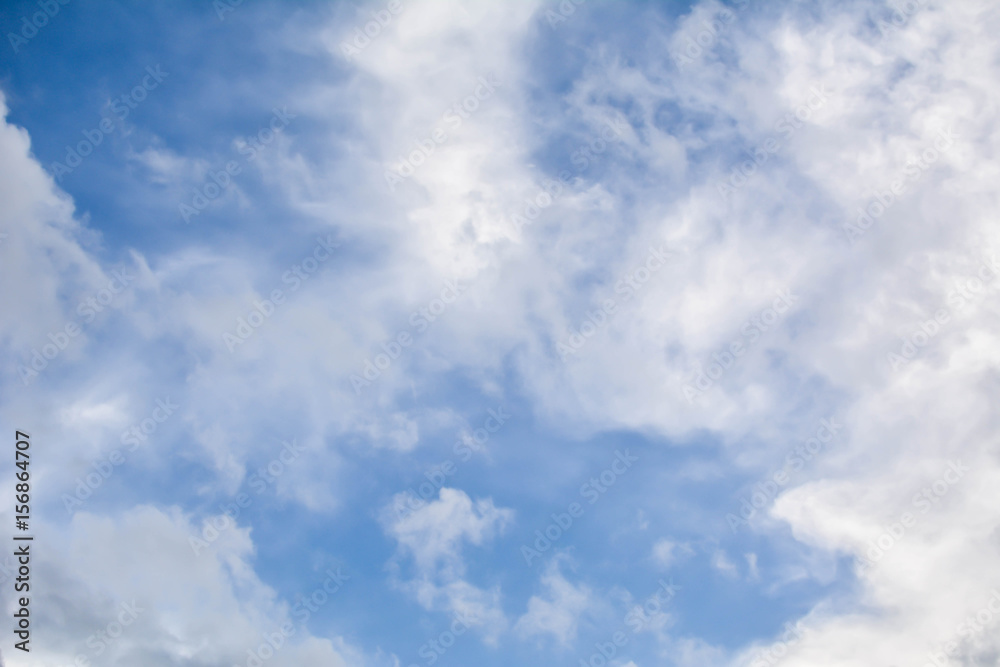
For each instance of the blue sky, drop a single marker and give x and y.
(706, 290)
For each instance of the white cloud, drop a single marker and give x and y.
(888, 97)
(211, 607)
(666, 552)
(47, 253)
(722, 563)
(558, 612)
(434, 535)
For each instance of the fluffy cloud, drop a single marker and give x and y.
(819, 249)
(47, 253)
(95, 582)
(434, 536)
(558, 612)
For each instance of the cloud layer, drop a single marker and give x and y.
(705, 232)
